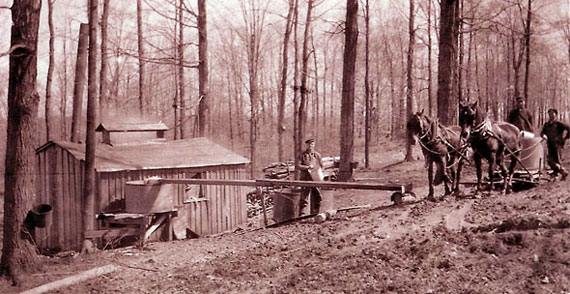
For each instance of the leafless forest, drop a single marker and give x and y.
(261, 76)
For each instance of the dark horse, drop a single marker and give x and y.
(440, 145)
(490, 140)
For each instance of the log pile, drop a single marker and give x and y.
(286, 169)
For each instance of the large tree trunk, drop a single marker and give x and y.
(447, 103)
(89, 182)
(103, 95)
(48, 106)
(142, 62)
(79, 84)
(23, 102)
(283, 87)
(204, 104)
(367, 128)
(348, 87)
(302, 120)
(410, 78)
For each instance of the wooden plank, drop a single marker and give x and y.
(155, 224)
(92, 273)
(42, 192)
(66, 201)
(293, 183)
(119, 232)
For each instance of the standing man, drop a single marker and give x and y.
(310, 164)
(521, 117)
(556, 133)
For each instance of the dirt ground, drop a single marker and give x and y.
(518, 243)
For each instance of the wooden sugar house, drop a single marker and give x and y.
(200, 210)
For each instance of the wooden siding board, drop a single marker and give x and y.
(224, 210)
(66, 200)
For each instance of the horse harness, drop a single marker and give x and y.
(432, 141)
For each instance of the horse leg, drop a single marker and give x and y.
(446, 180)
(477, 160)
(430, 180)
(492, 162)
(504, 174)
(512, 166)
(457, 177)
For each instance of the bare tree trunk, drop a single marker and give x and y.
(141, 58)
(63, 97)
(48, 106)
(430, 73)
(447, 63)
(304, 72)
(103, 87)
(255, 19)
(79, 84)
(204, 104)
(527, 35)
(367, 88)
(283, 87)
(23, 102)
(89, 182)
(410, 78)
(297, 142)
(348, 87)
(392, 78)
(181, 77)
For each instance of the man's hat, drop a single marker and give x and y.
(519, 98)
(553, 110)
(309, 141)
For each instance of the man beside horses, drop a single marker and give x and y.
(521, 116)
(556, 133)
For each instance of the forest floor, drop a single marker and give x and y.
(518, 243)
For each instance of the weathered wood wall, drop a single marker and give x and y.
(59, 184)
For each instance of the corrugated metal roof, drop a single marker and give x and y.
(196, 152)
(131, 127)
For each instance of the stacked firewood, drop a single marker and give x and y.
(285, 171)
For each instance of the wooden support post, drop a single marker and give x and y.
(259, 194)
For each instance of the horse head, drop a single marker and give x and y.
(470, 116)
(417, 126)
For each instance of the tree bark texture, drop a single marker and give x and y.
(103, 86)
(21, 139)
(302, 120)
(410, 78)
(204, 104)
(527, 35)
(87, 208)
(142, 62)
(447, 104)
(181, 76)
(367, 127)
(348, 87)
(79, 84)
(48, 105)
(283, 85)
